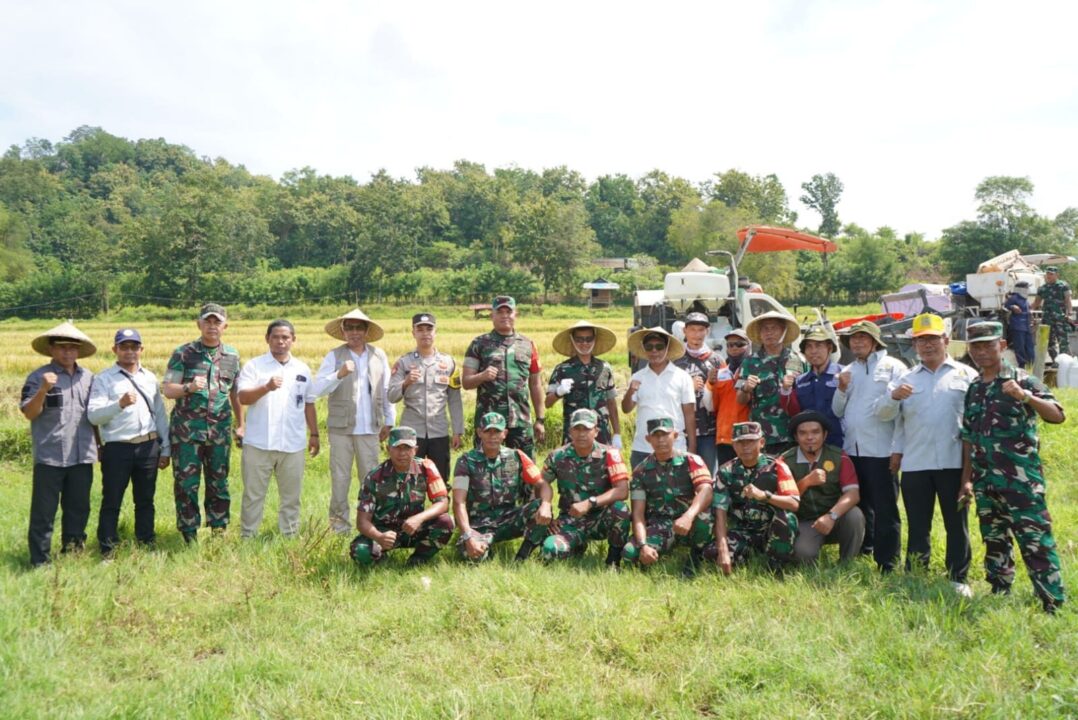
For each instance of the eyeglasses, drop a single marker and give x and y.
(654, 347)
(583, 340)
(737, 344)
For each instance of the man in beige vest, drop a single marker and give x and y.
(356, 378)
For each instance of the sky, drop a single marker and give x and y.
(911, 104)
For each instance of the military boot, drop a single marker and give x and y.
(613, 556)
(527, 547)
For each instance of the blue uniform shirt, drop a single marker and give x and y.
(815, 392)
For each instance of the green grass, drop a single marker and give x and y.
(281, 629)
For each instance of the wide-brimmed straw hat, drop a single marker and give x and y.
(63, 331)
(374, 330)
(605, 340)
(863, 326)
(674, 347)
(793, 330)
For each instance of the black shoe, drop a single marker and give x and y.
(613, 555)
(693, 564)
(1050, 606)
(526, 549)
(1001, 589)
(417, 560)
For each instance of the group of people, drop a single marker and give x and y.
(759, 449)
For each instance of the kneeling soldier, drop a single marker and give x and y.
(593, 485)
(670, 492)
(755, 504)
(488, 484)
(391, 513)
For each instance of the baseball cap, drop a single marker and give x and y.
(402, 435)
(737, 332)
(212, 309)
(927, 324)
(584, 416)
(492, 420)
(984, 331)
(127, 335)
(503, 301)
(747, 431)
(423, 319)
(661, 424)
(697, 318)
(1052, 269)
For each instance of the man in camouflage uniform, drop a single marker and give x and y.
(670, 493)
(755, 504)
(593, 485)
(503, 366)
(769, 373)
(586, 381)
(201, 378)
(1002, 467)
(1054, 301)
(487, 497)
(390, 514)
(703, 365)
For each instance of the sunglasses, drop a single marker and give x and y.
(583, 340)
(354, 328)
(737, 344)
(654, 347)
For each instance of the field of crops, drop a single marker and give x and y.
(279, 628)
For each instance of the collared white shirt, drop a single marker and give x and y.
(328, 381)
(929, 422)
(866, 435)
(276, 421)
(116, 424)
(659, 395)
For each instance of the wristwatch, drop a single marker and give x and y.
(768, 495)
(594, 501)
(833, 515)
(186, 388)
(465, 537)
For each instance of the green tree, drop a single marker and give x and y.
(551, 239)
(762, 196)
(822, 194)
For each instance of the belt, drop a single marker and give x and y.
(142, 438)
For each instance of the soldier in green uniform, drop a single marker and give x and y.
(670, 493)
(755, 504)
(503, 366)
(593, 485)
(1054, 301)
(586, 381)
(487, 498)
(1002, 469)
(391, 515)
(769, 372)
(201, 378)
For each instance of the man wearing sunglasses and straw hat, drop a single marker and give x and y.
(54, 400)
(659, 390)
(769, 373)
(355, 375)
(585, 381)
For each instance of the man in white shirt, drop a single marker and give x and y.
(355, 375)
(661, 389)
(129, 412)
(862, 387)
(928, 401)
(278, 388)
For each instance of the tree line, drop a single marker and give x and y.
(97, 219)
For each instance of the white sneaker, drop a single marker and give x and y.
(962, 589)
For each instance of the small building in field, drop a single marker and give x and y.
(600, 292)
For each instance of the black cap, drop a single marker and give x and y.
(808, 416)
(423, 319)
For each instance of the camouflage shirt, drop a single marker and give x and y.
(204, 416)
(1052, 297)
(517, 360)
(593, 387)
(392, 497)
(1002, 431)
(493, 484)
(700, 367)
(764, 407)
(770, 474)
(579, 478)
(668, 487)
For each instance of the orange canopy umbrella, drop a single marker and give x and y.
(775, 239)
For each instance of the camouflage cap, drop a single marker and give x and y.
(502, 301)
(661, 424)
(747, 431)
(818, 333)
(213, 309)
(697, 318)
(402, 435)
(584, 416)
(927, 324)
(492, 420)
(1052, 269)
(984, 331)
(867, 327)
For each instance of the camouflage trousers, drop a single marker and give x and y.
(660, 535)
(188, 462)
(1008, 511)
(431, 537)
(1058, 329)
(569, 534)
(775, 540)
(509, 525)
